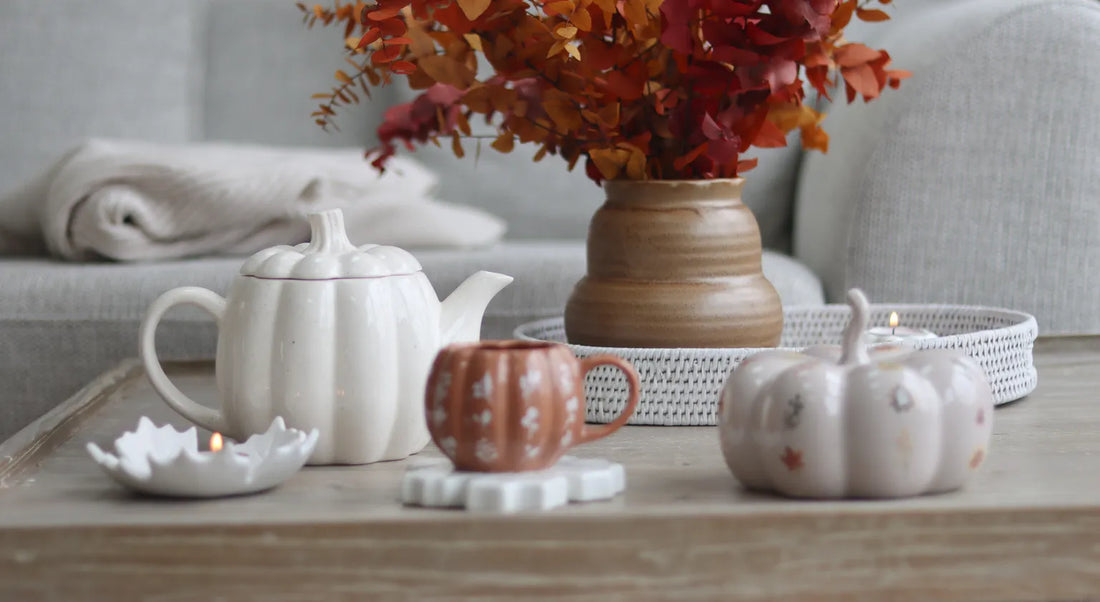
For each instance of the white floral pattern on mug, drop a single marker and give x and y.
(530, 421)
(529, 382)
(483, 418)
(485, 451)
(483, 387)
(439, 415)
(448, 445)
(442, 387)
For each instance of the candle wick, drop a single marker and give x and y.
(893, 330)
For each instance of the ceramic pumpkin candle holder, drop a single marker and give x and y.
(511, 406)
(883, 423)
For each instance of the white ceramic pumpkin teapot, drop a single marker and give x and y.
(328, 336)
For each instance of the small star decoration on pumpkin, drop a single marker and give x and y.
(791, 458)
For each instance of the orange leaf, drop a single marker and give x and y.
(850, 55)
(343, 77)
(474, 8)
(871, 14)
(635, 165)
(456, 146)
(445, 70)
(582, 19)
(474, 41)
(610, 161)
(565, 32)
(462, 123)
(843, 14)
(558, 7)
(561, 109)
(504, 143)
(478, 99)
(863, 80)
(609, 115)
(816, 138)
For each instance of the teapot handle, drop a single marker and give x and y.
(207, 300)
(591, 433)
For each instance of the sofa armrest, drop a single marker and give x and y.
(979, 181)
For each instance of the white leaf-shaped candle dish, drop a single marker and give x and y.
(163, 461)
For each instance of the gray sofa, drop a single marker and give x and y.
(976, 183)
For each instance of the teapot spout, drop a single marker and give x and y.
(460, 319)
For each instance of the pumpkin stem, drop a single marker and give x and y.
(854, 351)
(327, 234)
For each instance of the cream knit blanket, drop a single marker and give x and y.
(130, 201)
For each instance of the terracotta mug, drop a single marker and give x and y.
(509, 406)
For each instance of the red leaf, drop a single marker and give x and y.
(370, 37)
(624, 86)
(681, 162)
(386, 54)
(381, 14)
(769, 136)
(676, 31)
(403, 67)
(393, 27)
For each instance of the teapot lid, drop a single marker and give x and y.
(329, 255)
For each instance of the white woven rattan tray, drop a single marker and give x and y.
(680, 387)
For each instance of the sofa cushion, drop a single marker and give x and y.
(61, 324)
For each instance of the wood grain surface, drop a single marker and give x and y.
(1026, 528)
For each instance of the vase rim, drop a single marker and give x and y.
(674, 191)
(693, 182)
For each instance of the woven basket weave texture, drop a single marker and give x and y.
(680, 387)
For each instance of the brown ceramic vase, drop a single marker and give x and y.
(510, 406)
(674, 263)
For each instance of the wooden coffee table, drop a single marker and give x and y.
(1026, 528)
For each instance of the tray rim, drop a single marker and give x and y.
(1026, 322)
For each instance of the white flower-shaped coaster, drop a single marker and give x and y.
(436, 484)
(163, 461)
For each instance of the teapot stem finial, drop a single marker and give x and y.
(854, 351)
(327, 234)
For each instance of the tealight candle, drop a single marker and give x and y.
(896, 334)
(163, 461)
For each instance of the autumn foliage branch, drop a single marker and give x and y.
(640, 89)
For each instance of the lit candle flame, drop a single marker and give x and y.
(216, 442)
(893, 321)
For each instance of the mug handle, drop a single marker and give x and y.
(213, 304)
(591, 433)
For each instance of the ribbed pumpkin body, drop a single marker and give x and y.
(505, 406)
(674, 264)
(348, 357)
